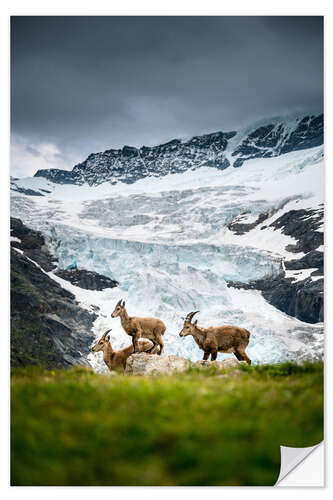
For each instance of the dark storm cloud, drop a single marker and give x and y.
(84, 84)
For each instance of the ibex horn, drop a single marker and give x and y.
(107, 331)
(190, 316)
(119, 302)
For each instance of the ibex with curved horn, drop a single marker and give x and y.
(228, 339)
(149, 328)
(117, 359)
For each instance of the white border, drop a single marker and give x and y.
(142, 7)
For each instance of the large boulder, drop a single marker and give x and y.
(152, 364)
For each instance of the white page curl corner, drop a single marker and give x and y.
(291, 458)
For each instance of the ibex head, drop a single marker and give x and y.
(102, 342)
(118, 309)
(188, 327)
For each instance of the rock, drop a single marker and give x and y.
(152, 364)
(313, 259)
(239, 228)
(89, 280)
(302, 225)
(275, 139)
(303, 300)
(225, 364)
(202, 363)
(32, 243)
(29, 192)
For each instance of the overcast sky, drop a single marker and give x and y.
(86, 84)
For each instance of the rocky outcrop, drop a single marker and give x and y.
(130, 164)
(302, 225)
(152, 364)
(27, 191)
(47, 325)
(275, 139)
(89, 280)
(239, 228)
(226, 364)
(32, 243)
(300, 298)
(313, 259)
(303, 299)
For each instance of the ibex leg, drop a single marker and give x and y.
(135, 340)
(244, 356)
(161, 344)
(206, 355)
(247, 359)
(214, 355)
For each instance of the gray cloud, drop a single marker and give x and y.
(85, 84)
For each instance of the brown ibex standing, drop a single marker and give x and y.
(149, 328)
(228, 339)
(117, 359)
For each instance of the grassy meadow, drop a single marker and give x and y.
(202, 427)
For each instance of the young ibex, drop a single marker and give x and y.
(229, 339)
(149, 328)
(117, 359)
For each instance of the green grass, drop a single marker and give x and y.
(74, 427)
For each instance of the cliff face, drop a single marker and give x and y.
(303, 300)
(48, 326)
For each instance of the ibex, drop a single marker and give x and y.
(228, 339)
(117, 359)
(149, 328)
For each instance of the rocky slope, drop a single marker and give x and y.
(299, 290)
(32, 243)
(219, 150)
(48, 326)
(34, 246)
(276, 139)
(303, 300)
(88, 280)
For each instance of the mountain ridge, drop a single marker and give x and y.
(217, 149)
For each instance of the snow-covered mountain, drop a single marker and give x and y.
(219, 150)
(242, 245)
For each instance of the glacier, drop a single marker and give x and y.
(167, 242)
